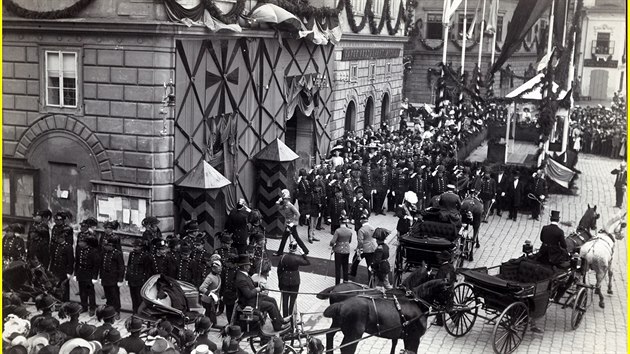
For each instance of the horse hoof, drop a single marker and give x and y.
(610, 292)
(597, 291)
(477, 245)
(601, 304)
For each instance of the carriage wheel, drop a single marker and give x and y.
(460, 319)
(510, 328)
(580, 305)
(257, 343)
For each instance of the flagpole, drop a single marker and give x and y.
(549, 46)
(566, 16)
(483, 27)
(464, 33)
(565, 132)
(445, 23)
(494, 37)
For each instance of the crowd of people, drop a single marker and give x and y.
(600, 131)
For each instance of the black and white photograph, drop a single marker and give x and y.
(314, 176)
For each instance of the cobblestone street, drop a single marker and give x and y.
(601, 331)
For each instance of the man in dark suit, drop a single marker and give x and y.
(502, 183)
(250, 295)
(515, 194)
(539, 189)
(620, 183)
(554, 247)
(236, 224)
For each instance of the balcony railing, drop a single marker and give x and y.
(603, 48)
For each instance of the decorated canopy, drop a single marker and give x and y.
(532, 90)
(203, 176)
(276, 151)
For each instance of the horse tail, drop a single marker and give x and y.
(333, 310)
(325, 294)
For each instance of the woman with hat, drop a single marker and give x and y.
(209, 290)
(13, 248)
(289, 277)
(107, 314)
(71, 310)
(138, 266)
(112, 272)
(203, 324)
(336, 159)
(132, 343)
(291, 217)
(340, 244)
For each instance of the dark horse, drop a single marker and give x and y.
(583, 234)
(344, 291)
(381, 317)
(472, 210)
(29, 279)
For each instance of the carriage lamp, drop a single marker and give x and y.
(528, 248)
(576, 261)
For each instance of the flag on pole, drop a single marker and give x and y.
(526, 14)
(559, 173)
(473, 25)
(491, 25)
(544, 61)
(440, 88)
(450, 6)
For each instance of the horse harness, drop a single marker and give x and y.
(403, 319)
(612, 238)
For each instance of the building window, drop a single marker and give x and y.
(18, 193)
(602, 44)
(434, 26)
(372, 72)
(129, 211)
(460, 25)
(354, 72)
(61, 79)
(388, 69)
(499, 28)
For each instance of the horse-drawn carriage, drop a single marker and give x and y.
(429, 237)
(522, 290)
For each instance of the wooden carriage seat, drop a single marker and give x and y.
(524, 271)
(445, 230)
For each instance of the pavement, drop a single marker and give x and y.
(601, 331)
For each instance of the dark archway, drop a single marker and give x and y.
(351, 117)
(385, 109)
(368, 114)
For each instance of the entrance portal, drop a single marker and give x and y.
(300, 138)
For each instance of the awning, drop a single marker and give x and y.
(203, 176)
(534, 86)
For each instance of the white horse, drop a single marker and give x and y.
(598, 252)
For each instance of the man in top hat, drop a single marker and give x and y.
(152, 231)
(112, 272)
(515, 196)
(418, 185)
(87, 262)
(203, 325)
(137, 271)
(291, 217)
(620, 183)
(502, 184)
(249, 295)
(402, 185)
(38, 242)
(133, 343)
(539, 189)
(13, 244)
(162, 261)
(62, 262)
(236, 224)
(61, 227)
(554, 247)
(359, 205)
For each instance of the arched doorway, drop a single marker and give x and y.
(351, 117)
(385, 109)
(66, 166)
(368, 115)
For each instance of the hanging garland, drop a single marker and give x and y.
(303, 9)
(230, 17)
(368, 17)
(459, 46)
(416, 32)
(70, 11)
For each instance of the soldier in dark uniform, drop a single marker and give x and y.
(258, 253)
(112, 272)
(38, 242)
(303, 195)
(318, 205)
(359, 204)
(488, 192)
(439, 182)
(418, 185)
(394, 173)
(198, 251)
(402, 186)
(110, 227)
(381, 185)
(227, 291)
(539, 189)
(255, 225)
(201, 269)
(61, 227)
(87, 262)
(236, 224)
(152, 231)
(367, 182)
(289, 277)
(86, 229)
(12, 244)
(335, 206)
(137, 271)
(185, 263)
(380, 263)
(162, 261)
(62, 262)
(348, 187)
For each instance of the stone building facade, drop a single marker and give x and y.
(99, 118)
